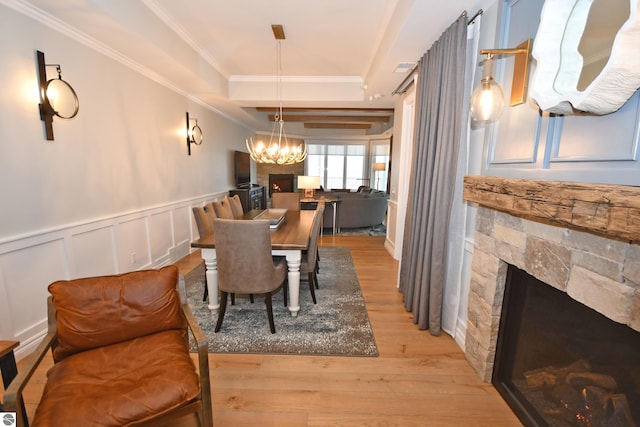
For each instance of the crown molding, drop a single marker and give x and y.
(73, 33)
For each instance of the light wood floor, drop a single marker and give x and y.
(418, 379)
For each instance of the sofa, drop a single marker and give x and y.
(365, 208)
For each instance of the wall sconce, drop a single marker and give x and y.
(194, 133)
(487, 100)
(57, 97)
(309, 185)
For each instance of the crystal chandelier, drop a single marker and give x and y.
(278, 150)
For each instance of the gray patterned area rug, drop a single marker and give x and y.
(337, 326)
(376, 230)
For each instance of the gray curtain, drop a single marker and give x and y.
(439, 104)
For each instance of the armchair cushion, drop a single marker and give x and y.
(99, 311)
(135, 386)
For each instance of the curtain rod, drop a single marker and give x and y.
(408, 81)
(478, 13)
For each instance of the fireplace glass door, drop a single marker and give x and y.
(560, 363)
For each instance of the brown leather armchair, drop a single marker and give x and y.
(121, 353)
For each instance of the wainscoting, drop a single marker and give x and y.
(147, 238)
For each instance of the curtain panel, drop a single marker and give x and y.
(439, 121)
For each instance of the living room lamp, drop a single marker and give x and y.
(378, 167)
(309, 184)
(278, 150)
(487, 100)
(194, 133)
(56, 95)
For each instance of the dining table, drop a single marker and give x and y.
(289, 239)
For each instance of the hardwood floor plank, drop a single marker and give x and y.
(417, 380)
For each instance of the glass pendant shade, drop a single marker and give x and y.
(62, 98)
(487, 100)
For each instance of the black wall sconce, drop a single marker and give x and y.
(57, 97)
(194, 133)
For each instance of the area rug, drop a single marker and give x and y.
(376, 230)
(338, 325)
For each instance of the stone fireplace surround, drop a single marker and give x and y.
(579, 238)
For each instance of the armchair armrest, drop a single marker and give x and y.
(12, 400)
(203, 362)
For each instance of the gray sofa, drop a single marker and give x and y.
(361, 209)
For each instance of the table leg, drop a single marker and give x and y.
(293, 264)
(335, 208)
(211, 263)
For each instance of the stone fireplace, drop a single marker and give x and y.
(581, 239)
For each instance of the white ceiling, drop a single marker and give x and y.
(337, 53)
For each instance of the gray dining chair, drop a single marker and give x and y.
(223, 208)
(245, 263)
(309, 262)
(204, 216)
(236, 206)
(289, 201)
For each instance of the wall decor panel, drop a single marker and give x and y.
(587, 137)
(93, 252)
(182, 221)
(132, 241)
(27, 273)
(160, 235)
(516, 136)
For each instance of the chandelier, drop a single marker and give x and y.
(278, 150)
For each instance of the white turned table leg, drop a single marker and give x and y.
(293, 264)
(210, 261)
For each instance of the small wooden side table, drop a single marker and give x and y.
(8, 367)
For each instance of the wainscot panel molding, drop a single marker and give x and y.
(391, 240)
(148, 238)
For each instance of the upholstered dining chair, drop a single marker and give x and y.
(309, 262)
(204, 216)
(120, 346)
(320, 207)
(289, 201)
(236, 206)
(245, 263)
(223, 208)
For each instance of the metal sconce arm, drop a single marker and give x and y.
(520, 69)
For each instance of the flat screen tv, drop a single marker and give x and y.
(242, 164)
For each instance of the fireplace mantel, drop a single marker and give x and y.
(609, 210)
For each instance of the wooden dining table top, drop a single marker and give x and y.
(292, 234)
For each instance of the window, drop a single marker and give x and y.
(338, 166)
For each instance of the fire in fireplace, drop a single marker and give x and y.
(280, 182)
(560, 363)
